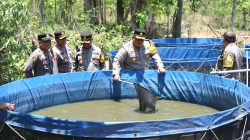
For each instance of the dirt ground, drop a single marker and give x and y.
(198, 26)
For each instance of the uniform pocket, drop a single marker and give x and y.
(147, 55)
(45, 64)
(96, 58)
(132, 57)
(79, 59)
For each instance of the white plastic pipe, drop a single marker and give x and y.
(229, 71)
(247, 63)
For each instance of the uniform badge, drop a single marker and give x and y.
(153, 49)
(225, 53)
(34, 58)
(102, 60)
(133, 59)
(45, 63)
(228, 63)
(43, 57)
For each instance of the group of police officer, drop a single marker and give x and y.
(46, 60)
(134, 55)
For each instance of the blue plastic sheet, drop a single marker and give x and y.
(247, 46)
(230, 96)
(176, 56)
(189, 42)
(247, 52)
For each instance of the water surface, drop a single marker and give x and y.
(123, 110)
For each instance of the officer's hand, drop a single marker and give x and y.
(10, 106)
(161, 70)
(117, 77)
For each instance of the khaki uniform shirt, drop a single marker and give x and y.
(130, 57)
(39, 63)
(63, 59)
(90, 59)
(232, 60)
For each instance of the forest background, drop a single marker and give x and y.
(112, 22)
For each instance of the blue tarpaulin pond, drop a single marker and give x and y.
(229, 96)
(212, 43)
(180, 58)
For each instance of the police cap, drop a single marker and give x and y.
(60, 34)
(86, 36)
(43, 37)
(139, 33)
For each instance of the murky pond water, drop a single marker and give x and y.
(123, 110)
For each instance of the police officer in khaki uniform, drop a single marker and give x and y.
(90, 57)
(62, 53)
(40, 61)
(135, 55)
(232, 56)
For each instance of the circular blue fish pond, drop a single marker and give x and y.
(229, 96)
(212, 43)
(183, 58)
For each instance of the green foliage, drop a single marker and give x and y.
(111, 39)
(141, 18)
(13, 45)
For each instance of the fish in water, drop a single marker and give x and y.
(147, 100)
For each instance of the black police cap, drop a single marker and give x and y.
(139, 33)
(60, 34)
(86, 36)
(43, 37)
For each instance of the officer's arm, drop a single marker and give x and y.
(28, 69)
(102, 62)
(76, 63)
(118, 60)
(155, 56)
(8, 106)
(70, 58)
(55, 63)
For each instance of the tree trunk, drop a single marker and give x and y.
(233, 16)
(62, 11)
(151, 29)
(88, 6)
(177, 20)
(244, 18)
(35, 8)
(168, 26)
(55, 13)
(126, 15)
(66, 11)
(134, 10)
(99, 11)
(104, 12)
(42, 15)
(136, 6)
(119, 11)
(70, 3)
